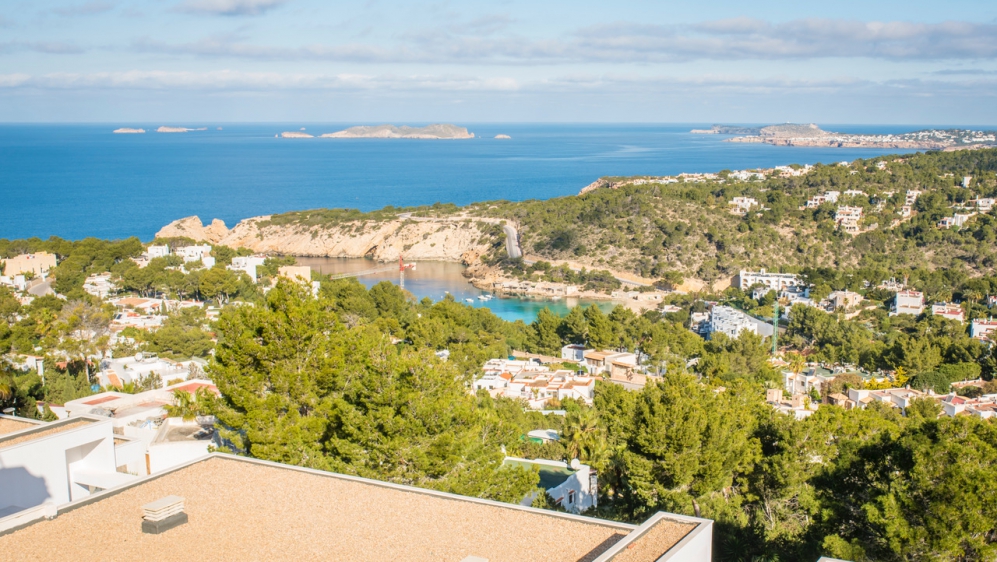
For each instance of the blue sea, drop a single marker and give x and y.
(76, 181)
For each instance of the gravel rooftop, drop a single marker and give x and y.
(242, 510)
(657, 540)
(10, 426)
(53, 428)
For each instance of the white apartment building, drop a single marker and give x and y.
(573, 486)
(911, 197)
(948, 310)
(896, 397)
(741, 205)
(194, 253)
(774, 281)
(599, 362)
(47, 465)
(573, 352)
(981, 329)
(133, 369)
(908, 302)
(827, 197)
(157, 251)
(163, 442)
(847, 218)
(100, 285)
(957, 220)
(248, 264)
(730, 321)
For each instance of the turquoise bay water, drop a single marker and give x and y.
(436, 280)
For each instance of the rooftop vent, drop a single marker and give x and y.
(162, 515)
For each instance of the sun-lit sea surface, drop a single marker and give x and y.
(76, 181)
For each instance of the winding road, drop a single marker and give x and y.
(512, 242)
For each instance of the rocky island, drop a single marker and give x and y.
(791, 134)
(128, 131)
(178, 129)
(296, 135)
(436, 131)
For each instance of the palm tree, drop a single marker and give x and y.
(583, 435)
(796, 363)
(6, 389)
(184, 406)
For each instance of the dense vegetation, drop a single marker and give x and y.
(664, 230)
(653, 229)
(350, 381)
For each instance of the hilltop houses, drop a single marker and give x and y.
(741, 205)
(957, 220)
(841, 300)
(774, 281)
(37, 264)
(847, 219)
(826, 197)
(730, 321)
(896, 397)
(536, 384)
(981, 329)
(908, 302)
(948, 310)
(248, 264)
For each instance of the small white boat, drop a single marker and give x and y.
(469, 300)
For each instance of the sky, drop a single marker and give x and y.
(189, 62)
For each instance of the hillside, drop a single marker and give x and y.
(654, 225)
(684, 225)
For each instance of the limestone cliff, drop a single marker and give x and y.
(415, 238)
(191, 227)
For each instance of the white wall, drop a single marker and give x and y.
(35, 471)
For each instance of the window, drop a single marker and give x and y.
(571, 497)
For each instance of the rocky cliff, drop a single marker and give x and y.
(416, 239)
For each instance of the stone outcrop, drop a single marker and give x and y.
(191, 227)
(416, 239)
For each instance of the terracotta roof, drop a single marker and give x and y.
(101, 400)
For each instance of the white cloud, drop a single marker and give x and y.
(626, 42)
(251, 81)
(577, 84)
(229, 7)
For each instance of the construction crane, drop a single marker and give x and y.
(402, 266)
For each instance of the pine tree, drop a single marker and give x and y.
(547, 327)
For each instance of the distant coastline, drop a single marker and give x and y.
(811, 135)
